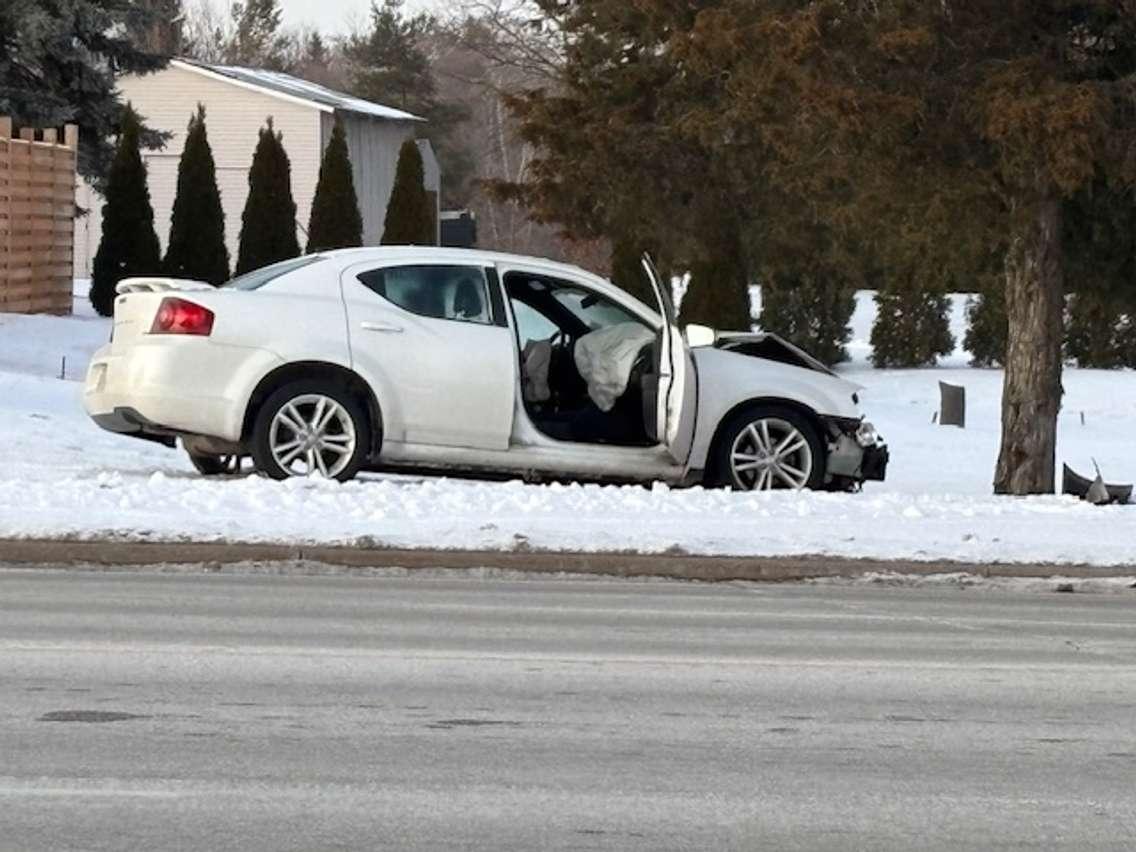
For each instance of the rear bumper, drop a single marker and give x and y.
(160, 390)
(127, 421)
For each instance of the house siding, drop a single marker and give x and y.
(233, 115)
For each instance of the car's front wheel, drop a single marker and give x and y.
(310, 428)
(764, 447)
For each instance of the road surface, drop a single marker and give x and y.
(256, 712)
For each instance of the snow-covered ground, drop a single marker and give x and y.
(62, 476)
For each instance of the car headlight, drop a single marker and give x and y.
(866, 435)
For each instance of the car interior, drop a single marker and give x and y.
(552, 317)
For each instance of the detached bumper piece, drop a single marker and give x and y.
(127, 421)
(873, 468)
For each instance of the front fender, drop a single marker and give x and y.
(728, 379)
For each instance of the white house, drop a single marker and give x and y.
(237, 103)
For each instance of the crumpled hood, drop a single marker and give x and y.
(774, 347)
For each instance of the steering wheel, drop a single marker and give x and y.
(560, 341)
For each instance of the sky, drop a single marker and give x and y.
(332, 16)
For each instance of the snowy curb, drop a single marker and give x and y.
(673, 565)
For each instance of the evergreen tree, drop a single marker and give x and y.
(614, 153)
(129, 246)
(1092, 331)
(410, 216)
(912, 327)
(986, 114)
(58, 64)
(627, 271)
(811, 310)
(155, 26)
(986, 329)
(335, 221)
(256, 40)
(196, 246)
(717, 294)
(268, 223)
(390, 65)
(1100, 259)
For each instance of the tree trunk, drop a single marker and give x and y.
(1031, 393)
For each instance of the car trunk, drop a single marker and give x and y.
(137, 305)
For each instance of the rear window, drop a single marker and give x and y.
(259, 277)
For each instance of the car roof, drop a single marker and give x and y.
(439, 254)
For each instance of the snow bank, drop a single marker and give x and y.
(62, 476)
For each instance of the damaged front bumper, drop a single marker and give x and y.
(856, 454)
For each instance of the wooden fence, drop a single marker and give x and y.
(37, 219)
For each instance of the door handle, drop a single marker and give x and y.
(380, 326)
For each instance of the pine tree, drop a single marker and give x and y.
(58, 63)
(129, 246)
(197, 226)
(811, 310)
(717, 294)
(268, 223)
(986, 114)
(410, 216)
(335, 221)
(155, 26)
(256, 40)
(912, 327)
(627, 270)
(1100, 256)
(390, 65)
(986, 329)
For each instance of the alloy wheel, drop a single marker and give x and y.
(770, 453)
(311, 434)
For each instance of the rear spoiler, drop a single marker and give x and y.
(159, 285)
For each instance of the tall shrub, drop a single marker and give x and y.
(410, 215)
(911, 329)
(197, 225)
(335, 221)
(812, 310)
(1100, 331)
(268, 223)
(129, 245)
(986, 329)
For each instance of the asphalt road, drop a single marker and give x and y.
(159, 711)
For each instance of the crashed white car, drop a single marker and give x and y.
(458, 360)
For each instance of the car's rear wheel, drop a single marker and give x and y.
(766, 447)
(210, 465)
(310, 428)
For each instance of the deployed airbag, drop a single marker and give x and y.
(604, 359)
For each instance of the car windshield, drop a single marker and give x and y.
(259, 277)
(593, 310)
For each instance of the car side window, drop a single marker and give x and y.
(459, 293)
(531, 324)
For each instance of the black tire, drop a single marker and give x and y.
(208, 465)
(263, 430)
(733, 437)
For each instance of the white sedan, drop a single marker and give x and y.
(450, 359)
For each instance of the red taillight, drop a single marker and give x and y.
(177, 316)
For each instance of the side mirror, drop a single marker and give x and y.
(700, 336)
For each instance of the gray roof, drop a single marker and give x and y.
(286, 84)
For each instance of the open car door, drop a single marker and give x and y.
(677, 394)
